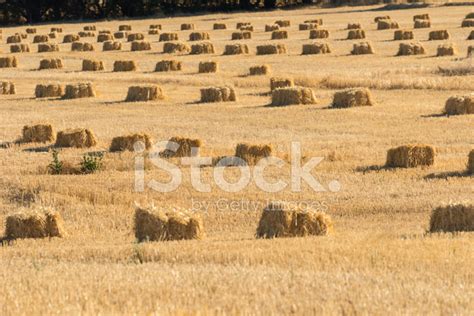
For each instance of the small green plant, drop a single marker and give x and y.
(91, 162)
(56, 166)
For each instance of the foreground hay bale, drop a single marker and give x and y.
(467, 23)
(219, 26)
(176, 48)
(271, 49)
(422, 24)
(283, 34)
(140, 46)
(92, 65)
(125, 65)
(187, 26)
(202, 48)
(292, 95)
(280, 220)
(158, 225)
(400, 35)
(354, 26)
(124, 143)
(82, 47)
(411, 156)
(14, 39)
(438, 35)
(135, 37)
(70, 38)
(77, 138)
(383, 17)
(168, 65)
(387, 25)
(236, 49)
(362, 48)
(19, 48)
(40, 39)
(7, 87)
(105, 37)
(40, 133)
(80, 90)
(167, 37)
(446, 50)
(457, 217)
(40, 223)
(272, 27)
(218, 94)
(199, 36)
(120, 35)
(49, 91)
(407, 49)
(252, 154)
(208, 67)
(470, 162)
(355, 34)
(144, 93)
(280, 82)
(8, 62)
(470, 15)
(352, 97)
(458, 105)
(259, 70)
(283, 23)
(182, 147)
(111, 45)
(47, 48)
(314, 34)
(53, 63)
(307, 26)
(241, 35)
(316, 48)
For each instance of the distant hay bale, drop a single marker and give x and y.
(187, 26)
(467, 23)
(281, 34)
(126, 143)
(352, 97)
(7, 87)
(92, 65)
(51, 63)
(111, 45)
(202, 48)
(125, 27)
(120, 35)
(125, 65)
(30, 30)
(181, 147)
(259, 70)
(80, 90)
(424, 16)
(456, 217)
(315, 34)
(199, 36)
(252, 154)
(387, 25)
(354, 26)
(219, 26)
(218, 94)
(292, 95)
(471, 36)
(247, 28)
(144, 93)
(52, 35)
(280, 82)
(19, 48)
(89, 28)
(48, 47)
(239, 25)
(77, 138)
(316, 48)
(176, 48)
(407, 49)
(155, 27)
(362, 48)
(157, 225)
(39, 133)
(208, 67)
(271, 27)
(140, 46)
(411, 156)
(82, 47)
(105, 32)
(470, 51)
(70, 38)
(104, 38)
(135, 37)
(470, 162)
(236, 49)
(400, 35)
(280, 220)
(315, 21)
(86, 34)
(14, 39)
(8, 62)
(271, 49)
(446, 50)
(40, 223)
(49, 91)
(283, 23)
(384, 17)
(422, 24)
(241, 35)
(168, 65)
(56, 30)
(438, 35)
(307, 26)
(154, 32)
(355, 34)
(40, 39)
(458, 105)
(167, 37)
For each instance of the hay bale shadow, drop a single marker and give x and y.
(434, 115)
(447, 174)
(373, 168)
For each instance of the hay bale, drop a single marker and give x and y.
(407, 49)
(125, 27)
(239, 25)
(355, 34)
(52, 35)
(383, 17)
(56, 30)
(30, 30)
(40, 39)
(7, 87)
(168, 65)
(140, 46)
(411, 156)
(218, 94)
(292, 95)
(158, 225)
(271, 49)
(40, 223)
(354, 26)
(470, 162)
(470, 15)
(279, 219)
(422, 24)
(8, 62)
(86, 34)
(155, 27)
(187, 26)
(283, 34)
(78, 138)
(280, 82)
(424, 16)
(236, 49)
(181, 147)
(154, 32)
(387, 25)
(467, 23)
(125, 65)
(105, 37)
(470, 51)
(252, 154)
(89, 28)
(247, 28)
(176, 48)
(167, 37)
(208, 67)
(80, 90)
(14, 39)
(120, 35)
(315, 21)
(49, 90)
(92, 65)
(283, 23)
(219, 26)
(135, 37)
(400, 35)
(271, 27)
(446, 50)
(438, 35)
(51, 63)
(458, 105)
(307, 26)
(111, 45)
(82, 47)
(199, 36)
(456, 217)
(316, 34)
(241, 35)
(202, 48)
(471, 36)
(105, 32)
(124, 143)
(71, 38)
(48, 47)
(19, 48)
(259, 70)
(352, 97)
(144, 93)
(315, 48)
(362, 48)
(39, 133)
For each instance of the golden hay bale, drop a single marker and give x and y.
(92, 65)
(187, 26)
(53, 63)
(316, 48)
(362, 48)
(400, 35)
(152, 224)
(355, 34)
(241, 35)
(154, 32)
(123, 143)
(105, 32)
(86, 34)
(470, 15)
(252, 154)
(120, 35)
(125, 65)
(271, 28)
(239, 25)
(467, 23)
(208, 67)
(283, 34)
(259, 70)
(104, 37)
(424, 16)
(13, 39)
(218, 94)
(271, 49)
(125, 27)
(39, 223)
(111, 45)
(470, 162)
(406, 49)
(384, 17)
(387, 25)
(236, 49)
(438, 35)
(456, 217)
(7, 87)
(283, 23)
(40, 133)
(70, 38)
(19, 48)
(40, 39)
(52, 35)
(280, 82)
(410, 156)
(457, 105)
(30, 30)
(144, 93)
(471, 36)
(46, 48)
(281, 220)
(219, 26)
(470, 51)
(292, 95)
(307, 26)
(82, 47)
(49, 90)
(155, 27)
(315, 21)
(135, 37)
(80, 90)
(202, 48)
(167, 37)
(168, 65)
(354, 26)
(89, 28)
(176, 48)
(446, 50)
(246, 28)
(78, 138)
(8, 62)
(422, 24)
(352, 97)
(315, 34)
(56, 30)
(181, 147)
(199, 36)
(140, 46)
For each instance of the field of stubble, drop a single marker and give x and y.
(379, 260)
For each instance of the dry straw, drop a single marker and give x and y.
(153, 32)
(167, 37)
(124, 143)
(252, 154)
(411, 156)
(446, 50)
(8, 62)
(92, 65)
(208, 67)
(406, 49)
(140, 46)
(40, 133)
(422, 24)
(218, 94)
(187, 26)
(236, 49)
(362, 48)
(387, 25)
(456, 217)
(144, 93)
(316, 48)
(86, 34)
(105, 32)
(354, 26)
(458, 105)
(82, 47)
(155, 27)
(56, 29)
(470, 15)
(438, 35)
(282, 34)
(49, 90)
(39, 223)
(40, 39)
(110, 45)
(383, 17)
(315, 21)
(20, 48)
(281, 82)
(14, 39)
(89, 28)
(120, 35)
(80, 90)
(182, 147)
(135, 37)
(105, 37)
(467, 23)
(355, 34)
(315, 34)
(125, 65)
(239, 25)
(47, 47)
(470, 162)
(125, 27)
(7, 87)
(352, 97)
(292, 95)
(283, 23)
(271, 49)
(53, 63)
(30, 30)
(307, 26)
(241, 35)
(77, 138)
(219, 26)
(202, 48)
(168, 65)
(424, 16)
(199, 36)
(400, 35)
(70, 38)
(259, 70)
(176, 48)
(52, 35)
(271, 27)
